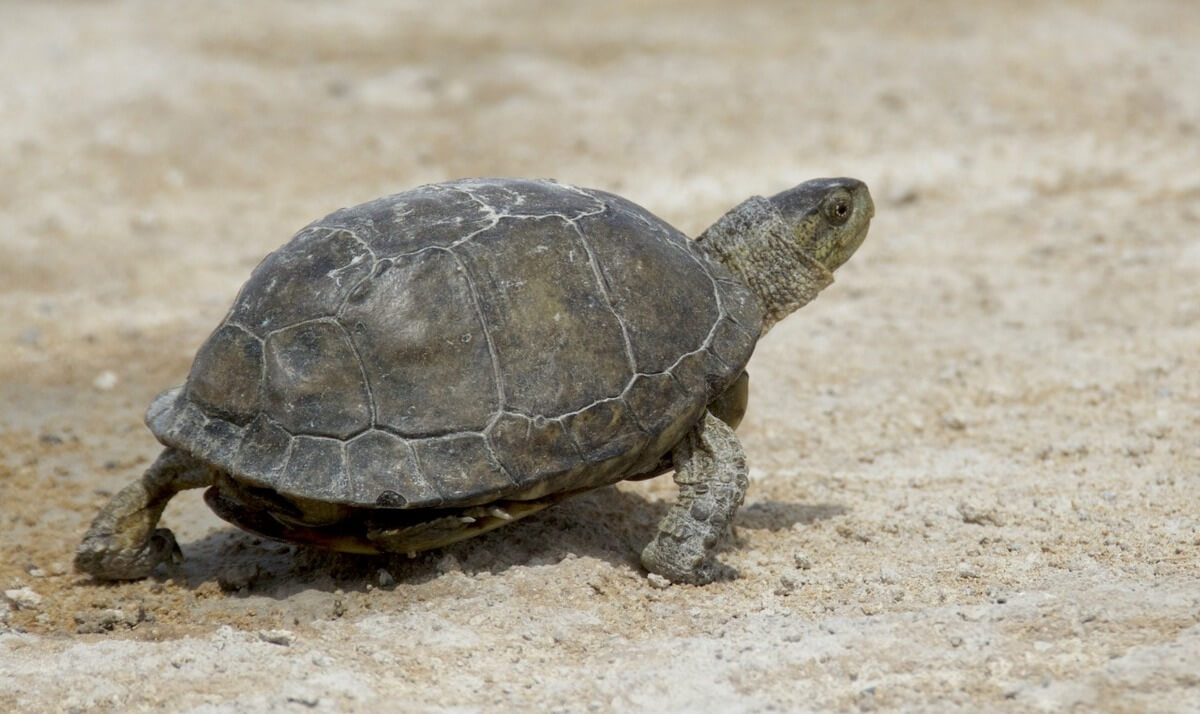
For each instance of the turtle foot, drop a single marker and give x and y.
(683, 561)
(123, 542)
(104, 557)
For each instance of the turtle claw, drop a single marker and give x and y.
(165, 548)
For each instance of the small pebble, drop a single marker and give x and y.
(903, 194)
(95, 622)
(321, 659)
(1138, 446)
(236, 577)
(953, 422)
(385, 579)
(105, 381)
(277, 637)
(658, 581)
(979, 515)
(849, 533)
(966, 570)
(24, 598)
(308, 700)
(801, 560)
(448, 564)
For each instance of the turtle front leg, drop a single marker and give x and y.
(710, 468)
(123, 543)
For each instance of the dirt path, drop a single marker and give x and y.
(975, 459)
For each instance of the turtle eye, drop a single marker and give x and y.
(837, 208)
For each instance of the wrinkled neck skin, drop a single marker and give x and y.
(754, 243)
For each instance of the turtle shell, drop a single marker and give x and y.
(463, 342)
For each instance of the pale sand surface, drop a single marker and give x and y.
(975, 459)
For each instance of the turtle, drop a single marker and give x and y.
(431, 365)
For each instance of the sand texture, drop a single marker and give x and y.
(975, 459)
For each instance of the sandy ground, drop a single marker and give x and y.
(975, 459)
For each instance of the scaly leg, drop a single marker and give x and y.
(123, 543)
(710, 469)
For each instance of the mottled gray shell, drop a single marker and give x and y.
(460, 343)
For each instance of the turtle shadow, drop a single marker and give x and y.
(607, 524)
(783, 515)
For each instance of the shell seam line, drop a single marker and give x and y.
(601, 284)
(472, 285)
(362, 371)
(495, 221)
(374, 264)
(419, 472)
(353, 234)
(287, 461)
(420, 469)
(487, 445)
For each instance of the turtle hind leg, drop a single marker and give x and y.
(123, 543)
(710, 469)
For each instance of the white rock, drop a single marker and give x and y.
(106, 380)
(24, 598)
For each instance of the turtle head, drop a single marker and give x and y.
(786, 247)
(828, 218)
